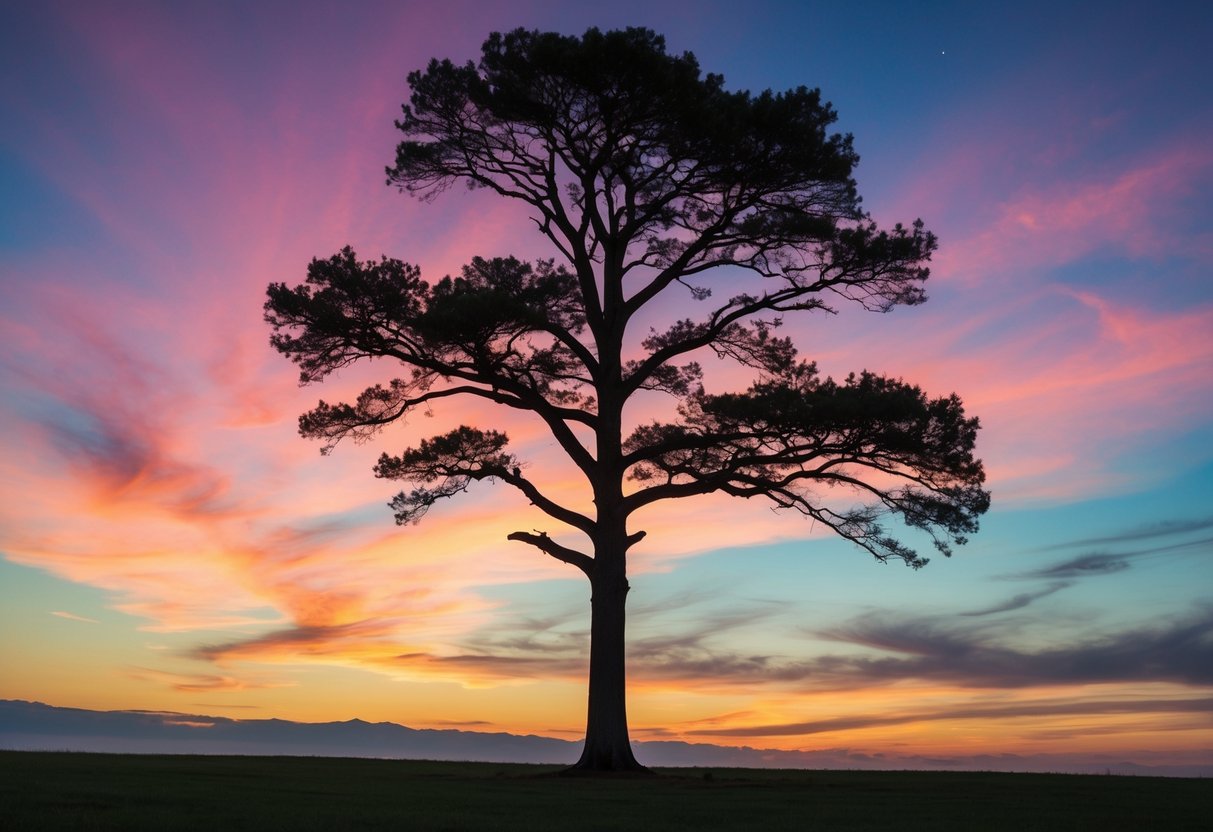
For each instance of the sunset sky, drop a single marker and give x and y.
(169, 542)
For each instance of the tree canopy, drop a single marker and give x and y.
(650, 181)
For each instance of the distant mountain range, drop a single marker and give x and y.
(30, 726)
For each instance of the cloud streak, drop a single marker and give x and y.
(1149, 531)
(1178, 651)
(71, 616)
(1017, 602)
(1109, 563)
(200, 682)
(1199, 707)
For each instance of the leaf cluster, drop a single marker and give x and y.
(909, 454)
(629, 156)
(506, 328)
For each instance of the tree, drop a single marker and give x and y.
(649, 179)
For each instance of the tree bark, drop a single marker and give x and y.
(607, 745)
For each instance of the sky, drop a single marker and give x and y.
(168, 542)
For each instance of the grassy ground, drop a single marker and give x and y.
(48, 791)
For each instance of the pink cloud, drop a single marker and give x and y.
(1134, 211)
(1069, 384)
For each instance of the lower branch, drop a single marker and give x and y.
(544, 543)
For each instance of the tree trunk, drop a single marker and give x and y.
(607, 747)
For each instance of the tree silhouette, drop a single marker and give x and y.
(649, 179)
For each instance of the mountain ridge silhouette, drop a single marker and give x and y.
(36, 726)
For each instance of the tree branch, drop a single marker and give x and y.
(562, 553)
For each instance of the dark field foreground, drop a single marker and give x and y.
(42, 790)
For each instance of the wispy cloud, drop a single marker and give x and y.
(1081, 567)
(1178, 651)
(302, 642)
(1200, 707)
(73, 617)
(1148, 531)
(202, 682)
(1132, 211)
(1016, 602)
(190, 723)
(1108, 563)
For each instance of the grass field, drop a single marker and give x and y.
(68, 791)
